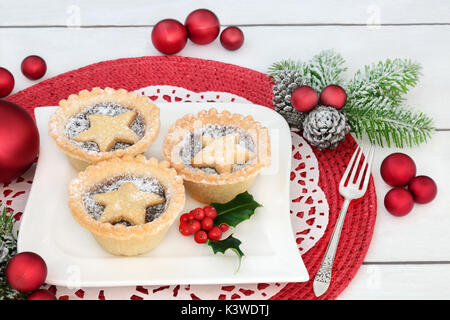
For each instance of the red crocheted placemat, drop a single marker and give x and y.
(206, 75)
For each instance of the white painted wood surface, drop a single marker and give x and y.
(363, 31)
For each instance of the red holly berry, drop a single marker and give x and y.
(200, 236)
(185, 217)
(194, 226)
(224, 227)
(198, 213)
(215, 233)
(185, 229)
(210, 211)
(207, 223)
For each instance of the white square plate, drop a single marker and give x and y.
(75, 259)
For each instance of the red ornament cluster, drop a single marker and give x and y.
(26, 272)
(200, 223)
(305, 98)
(201, 26)
(399, 171)
(33, 67)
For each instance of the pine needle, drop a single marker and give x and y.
(385, 122)
(323, 69)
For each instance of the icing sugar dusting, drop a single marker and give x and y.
(191, 144)
(80, 122)
(144, 184)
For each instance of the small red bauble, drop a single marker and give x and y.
(202, 26)
(26, 271)
(33, 67)
(232, 38)
(19, 140)
(41, 294)
(423, 189)
(169, 36)
(224, 227)
(398, 169)
(304, 98)
(333, 96)
(398, 201)
(6, 82)
(200, 236)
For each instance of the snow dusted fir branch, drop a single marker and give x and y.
(8, 248)
(375, 104)
(374, 96)
(324, 68)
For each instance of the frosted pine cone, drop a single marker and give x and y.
(325, 127)
(287, 81)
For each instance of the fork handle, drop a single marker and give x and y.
(323, 275)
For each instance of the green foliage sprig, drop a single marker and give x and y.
(8, 245)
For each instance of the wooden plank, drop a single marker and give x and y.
(66, 49)
(145, 12)
(406, 282)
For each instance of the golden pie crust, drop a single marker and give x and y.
(120, 239)
(220, 188)
(75, 104)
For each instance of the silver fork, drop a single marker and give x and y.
(351, 190)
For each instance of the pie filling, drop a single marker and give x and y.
(80, 123)
(144, 184)
(192, 144)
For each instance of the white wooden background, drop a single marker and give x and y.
(409, 257)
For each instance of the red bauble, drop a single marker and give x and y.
(33, 67)
(304, 98)
(423, 189)
(399, 202)
(41, 294)
(202, 26)
(169, 36)
(232, 38)
(26, 271)
(6, 82)
(333, 96)
(19, 140)
(397, 169)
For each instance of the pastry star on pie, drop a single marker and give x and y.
(221, 153)
(127, 203)
(106, 131)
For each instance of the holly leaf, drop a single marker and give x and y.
(241, 208)
(229, 243)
